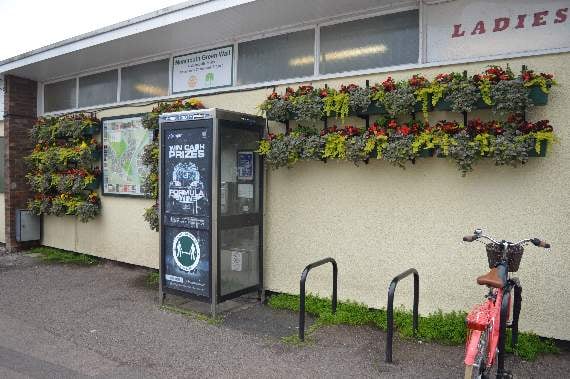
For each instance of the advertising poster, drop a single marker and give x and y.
(187, 261)
(187, 207)
(203, 70)
(124, 140)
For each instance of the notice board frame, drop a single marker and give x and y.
(102, 160)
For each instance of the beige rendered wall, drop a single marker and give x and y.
(378, 220)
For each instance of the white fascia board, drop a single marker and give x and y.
(137, 25)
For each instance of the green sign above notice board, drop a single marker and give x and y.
(203, 70)
(124, 140)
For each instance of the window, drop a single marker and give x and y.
(59, 96)
(144, 80)
(1, 164)
(98, 89)
(281, 57)
(381, 41)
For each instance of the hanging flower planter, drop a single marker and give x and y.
(426, 153)
(95, 184)
(505, 142)
(63, 169)
(542, 150)
(537, 96)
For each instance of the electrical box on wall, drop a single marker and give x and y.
(27, 226)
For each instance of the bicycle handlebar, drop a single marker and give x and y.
(478, 233)
(540, 243)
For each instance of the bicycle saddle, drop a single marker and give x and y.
(491, 279)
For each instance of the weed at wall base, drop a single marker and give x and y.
(53, 255)
(445, 328)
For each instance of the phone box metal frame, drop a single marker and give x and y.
(205, 126)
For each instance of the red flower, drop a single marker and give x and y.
(448, 127)
(417, 81)
(377, 130)
(404, 130)
(351, 131)
(389, 84)
(392, 124)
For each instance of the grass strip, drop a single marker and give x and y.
(153, 279)
(53, 255)
(193, 315)
(445, 328)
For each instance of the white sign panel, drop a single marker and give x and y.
(462, 29)
(203, 70)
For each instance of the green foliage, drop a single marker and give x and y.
(485, 89)
(530, 346)
(423, 95)
(399, 150)
(153, 279)
(510, 96)
(307, 107)
(337, 103)
(425, 140)
(335, 146)
(359, 148)
(359, 98)
(400, 101)
(465, 152)
(53, 255)
(151, 216)
(62, 168)
(151, 152)
(445, 328)
(541, 136)
(463, 95)
(510, 149)
(193, 315)
(541, 82)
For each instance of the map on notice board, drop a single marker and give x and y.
(124, 140)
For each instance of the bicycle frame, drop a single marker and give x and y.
(491, 318)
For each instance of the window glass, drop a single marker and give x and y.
(144, 80)
(98, 89)
(382, 41)
(59, 96)
(281, 57)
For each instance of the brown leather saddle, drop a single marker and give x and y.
(491, 279)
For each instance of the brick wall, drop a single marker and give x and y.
(20, 103)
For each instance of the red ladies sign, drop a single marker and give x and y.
(463, 29)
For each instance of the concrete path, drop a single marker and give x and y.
(61, 321)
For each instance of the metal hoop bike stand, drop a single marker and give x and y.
(390, 309)
(302, 291)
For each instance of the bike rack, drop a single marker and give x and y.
(302, 292)
(390, 310)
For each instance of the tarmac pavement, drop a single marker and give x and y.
(65, 321)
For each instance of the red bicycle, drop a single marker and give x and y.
(487, 322)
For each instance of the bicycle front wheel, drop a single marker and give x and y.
(476, 356)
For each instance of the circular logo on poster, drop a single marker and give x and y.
(186, 251)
